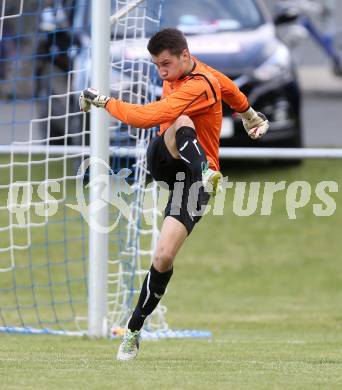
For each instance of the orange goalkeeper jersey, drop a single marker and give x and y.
(198, 95)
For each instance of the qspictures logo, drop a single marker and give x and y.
(122, 194)
(110, 188)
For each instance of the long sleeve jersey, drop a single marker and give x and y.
(199, 95)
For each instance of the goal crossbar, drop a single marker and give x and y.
(225, 152)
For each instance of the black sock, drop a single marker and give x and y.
(191, 151)
(152, 290)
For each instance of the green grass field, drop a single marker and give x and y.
(269, 288)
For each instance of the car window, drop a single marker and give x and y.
(206, 16)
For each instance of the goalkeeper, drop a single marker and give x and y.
(186, 149)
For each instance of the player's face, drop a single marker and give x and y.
(170, 66)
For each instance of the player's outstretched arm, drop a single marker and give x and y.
(138, 115)
(255, 123)
(191, 98)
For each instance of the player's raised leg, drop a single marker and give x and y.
(173, 234)
(181, 141)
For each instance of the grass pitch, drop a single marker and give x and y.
(269, 288)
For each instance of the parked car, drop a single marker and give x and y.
(239, 39)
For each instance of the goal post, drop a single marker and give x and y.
(99, 143)
(78, 221)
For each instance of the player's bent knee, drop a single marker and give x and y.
(163, 260)
(183, 121)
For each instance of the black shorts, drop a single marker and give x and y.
(187, 199)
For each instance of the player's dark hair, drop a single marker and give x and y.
(169, 39)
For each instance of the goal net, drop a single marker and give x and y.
(45, 62)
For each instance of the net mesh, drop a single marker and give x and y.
(44, 64)
(133, 80)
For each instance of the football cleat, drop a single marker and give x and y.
(129, 347)
(212, 180)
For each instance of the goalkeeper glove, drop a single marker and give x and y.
(91, 96)
(255, 123)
